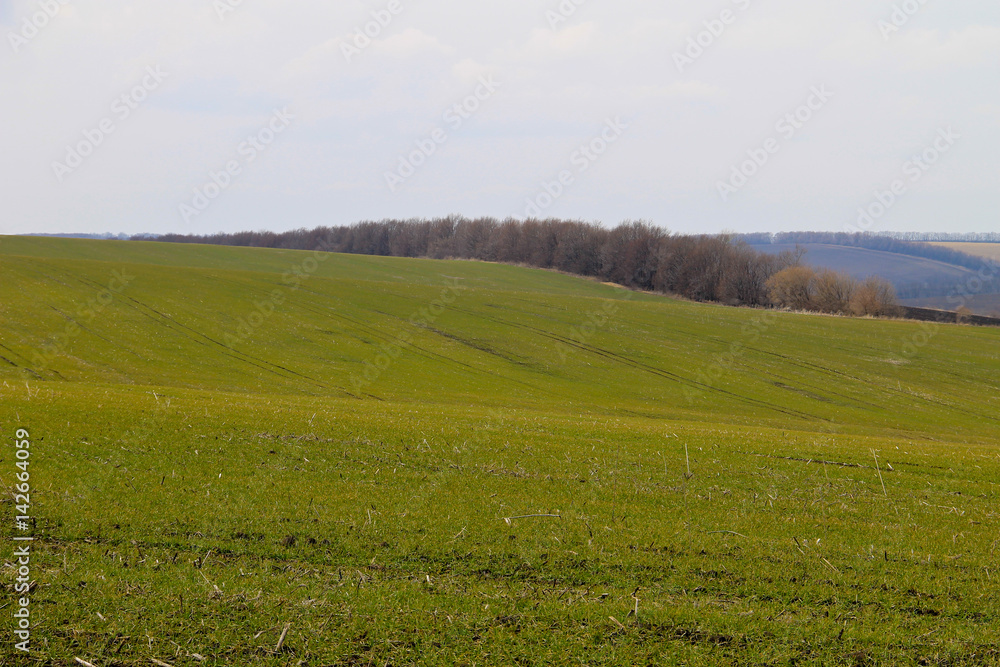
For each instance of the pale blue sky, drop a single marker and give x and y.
(556, 85)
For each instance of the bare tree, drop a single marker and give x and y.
(792, 288)
(875, 297)
(832, 292)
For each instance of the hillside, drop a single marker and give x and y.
(919, 281)
(354, 449)
(986, 250)
(900, 270)
(506, 325)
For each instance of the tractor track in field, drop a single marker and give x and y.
(263, 364)
(194, 335)
(679, 378)
(813, 390)
(430, 355)
(810, 391)
(618, 358)
(839, 374)
(16, 354)
(15, 365)
(375, 333)
(805, 364)
(70, 318)
(437, 356)
(67, 317)
(485, 349)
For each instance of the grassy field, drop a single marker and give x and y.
(260, 457)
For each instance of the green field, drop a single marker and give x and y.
(263, 457)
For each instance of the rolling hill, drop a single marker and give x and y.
(987, 250)
(262, 456)
(935, 280)
(900, 270)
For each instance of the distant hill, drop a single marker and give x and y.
(919, 281)
(105, 236)
(912, 247)
(903, 271)
(985, 303)
(986, 250)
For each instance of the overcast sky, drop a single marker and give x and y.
(261, 114)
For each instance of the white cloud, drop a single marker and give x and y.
(608, 59)
(919, 48)
(469, 70)
(972, 46)
(570, 41)
(770, 34)
(691, 90)
(410, 42)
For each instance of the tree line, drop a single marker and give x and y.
(826, 291)
(635, 254)
(945, 237)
